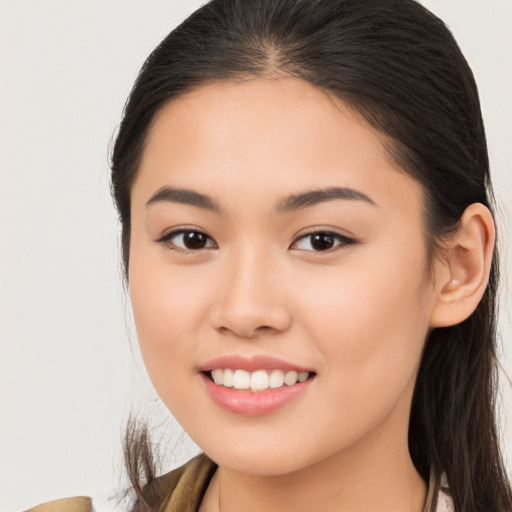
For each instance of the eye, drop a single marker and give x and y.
(323, 241)
(187, 240)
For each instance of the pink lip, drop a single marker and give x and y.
(251, 364)
(248, 403)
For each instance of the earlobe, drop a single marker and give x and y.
(463, 274)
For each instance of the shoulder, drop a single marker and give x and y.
(181, 489)
(77, 504)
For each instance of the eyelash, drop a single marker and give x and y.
(165, 239)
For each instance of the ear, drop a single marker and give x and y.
(462, 275)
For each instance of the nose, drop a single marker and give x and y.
(252, 296)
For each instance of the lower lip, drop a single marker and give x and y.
(248, 403)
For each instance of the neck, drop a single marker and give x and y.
(375, 474)
(329, 486)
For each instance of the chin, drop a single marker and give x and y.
(259, 465)
(264, 458)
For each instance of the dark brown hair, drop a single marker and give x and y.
(400, 67)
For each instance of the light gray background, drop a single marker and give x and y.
(68, 374)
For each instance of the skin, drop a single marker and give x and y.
(357, 314)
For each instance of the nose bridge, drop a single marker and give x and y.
(251, 294)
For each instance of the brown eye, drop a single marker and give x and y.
(187, 240)
(194, 240)
(323, 241)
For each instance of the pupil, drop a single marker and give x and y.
(194, 240)
(322, 242)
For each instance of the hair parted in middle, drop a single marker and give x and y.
(398, 66)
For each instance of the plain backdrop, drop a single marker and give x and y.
(69, 367)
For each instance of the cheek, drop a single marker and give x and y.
(168, 309)
(370, 318)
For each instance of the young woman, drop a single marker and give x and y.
(309, 243)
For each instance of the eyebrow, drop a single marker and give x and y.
(313, 197)
(291, 203)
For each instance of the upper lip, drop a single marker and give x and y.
(251, 363)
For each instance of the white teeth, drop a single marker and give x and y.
(276, 379)
(217, 376)
(258, 380)
(241, 379)
(291, 378)
(228, 378)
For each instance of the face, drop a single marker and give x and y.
(272, 238)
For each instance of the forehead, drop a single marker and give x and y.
(263, 137)
(274, 112)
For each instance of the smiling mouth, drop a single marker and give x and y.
(256, 381)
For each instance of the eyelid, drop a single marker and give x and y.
(344, 240)
(166, 237)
